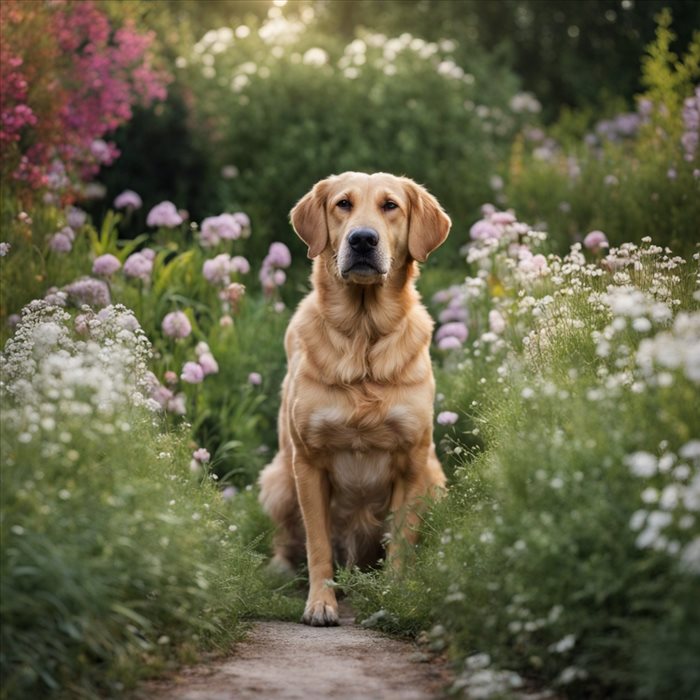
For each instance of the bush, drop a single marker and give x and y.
(70, 75)
(567, 550)
(118, 558)
(635, 175)
(285, 107)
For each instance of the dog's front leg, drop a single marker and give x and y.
(313, 489)
(408, 501)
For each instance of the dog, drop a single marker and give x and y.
(356, 456)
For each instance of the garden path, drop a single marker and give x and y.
(290, 661)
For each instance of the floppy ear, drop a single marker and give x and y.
(309, 219)
(428, 224)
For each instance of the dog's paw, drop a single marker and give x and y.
(320, 613)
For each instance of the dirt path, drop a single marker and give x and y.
(289, 661)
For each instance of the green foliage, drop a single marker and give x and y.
(287, 106)
(543, 555)
(636, 175)
(118, 559)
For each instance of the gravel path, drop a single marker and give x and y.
(290, 661)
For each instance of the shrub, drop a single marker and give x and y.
(285, 106)
(118, 555)
(567, 550)
(70, 76)
(635, 175)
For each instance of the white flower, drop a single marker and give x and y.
(691, 450)
(641, 464)
(564, 644)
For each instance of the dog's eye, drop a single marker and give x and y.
(344, 204)
(389, 205)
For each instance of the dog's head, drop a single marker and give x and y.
(370, 224)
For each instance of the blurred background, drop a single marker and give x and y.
(268, 97)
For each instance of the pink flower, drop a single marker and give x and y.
(229, 492)
(4, 249)
(81, 324)
(139, 266)
(170, 377)
(226, 321)
(148, 253)
(447, 418)
(192, 373)
(88, 291)
(162, 395)
(217, 269)
(278, 255)
(449, 343)
(595, 240)
(201, 455)
(177, 405)
(208, 363)
(255, 379)
(279, 277)
(164, 215)
(240, 264)
(217, 228)
(502, 218)
(128, 199)
(242, 219)
(76, 218)
(105, 265)
(60, 243)
(484, 230)
(176, 325)
(455, 329)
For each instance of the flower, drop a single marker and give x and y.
(76, 218)
(192, 373)
(255, 379)
(456, 329)
(208, 363)
(201, 455)
(217, 228)
(164, 214)
(229, 492)
(128, 199)
(105, 265)
(138, 265)
(483, 230)
(88, 291)
(239, 264)
(595, 240)
(450, 342)
(60, 243)
(217, 269)
(497, 323)
(278, 255)
(447, 418)
(4, 249)
(176, 325)
(641, 464)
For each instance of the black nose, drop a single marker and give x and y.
(362, 239)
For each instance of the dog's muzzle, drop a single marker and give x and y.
(362, 256)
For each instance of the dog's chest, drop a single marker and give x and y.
(375, 429)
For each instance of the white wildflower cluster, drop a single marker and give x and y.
(675, 349)
(480, 681)
(670, 518)
(55, 385)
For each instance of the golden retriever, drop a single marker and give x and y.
(356, 422)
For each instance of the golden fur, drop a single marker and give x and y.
(356, 421)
